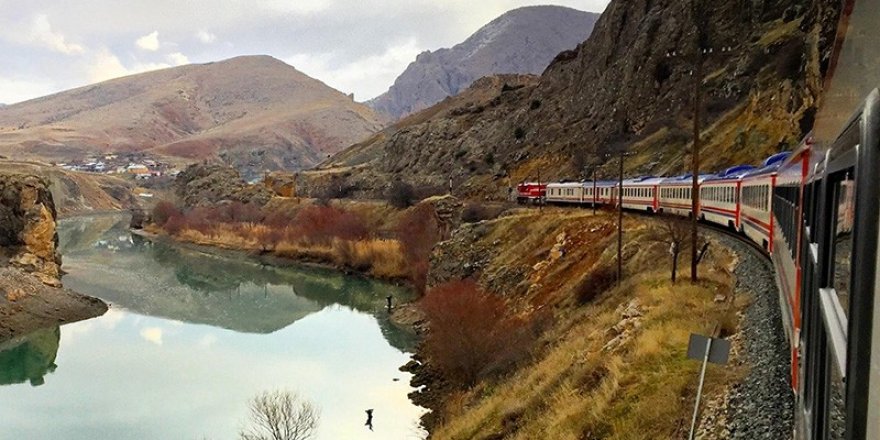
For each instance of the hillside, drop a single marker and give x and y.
(283, 120)
(522, 41)
(77, 193)
(630, 86)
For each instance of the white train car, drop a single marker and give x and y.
(567, 193)
(601, 192)
(719, 197)
(756, 201)
(675, 194)
(641, 194)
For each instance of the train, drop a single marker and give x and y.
(815, 213)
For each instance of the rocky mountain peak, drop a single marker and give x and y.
(522, 41)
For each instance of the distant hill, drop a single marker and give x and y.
(522, 41)
(254, 112)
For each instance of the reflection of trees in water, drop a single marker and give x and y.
(213, 275)
(83, 233)
(31, 359)
(240, 295)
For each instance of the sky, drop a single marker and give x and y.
(355, 46)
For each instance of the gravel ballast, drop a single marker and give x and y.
(761, 406)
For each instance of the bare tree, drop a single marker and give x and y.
(676, 231)
(281, 415)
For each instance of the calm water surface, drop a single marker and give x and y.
(190, 338)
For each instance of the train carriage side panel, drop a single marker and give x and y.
(640, 194)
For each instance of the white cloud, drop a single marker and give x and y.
(149, 42)
(370, 76)
(105, 65)
(13, 90)
(178, 59)
(206, 37)
(152, 334)
(41, 32)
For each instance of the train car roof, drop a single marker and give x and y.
(771, 165)
(732, 173)
(644, 180)
(686, 178)
(566, 184)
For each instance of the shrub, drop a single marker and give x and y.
(163, 211)
(174, 224)
(471, 333)
(476, 212)
(519, 133)
(321, 224)
(401, 194)
(418, 231)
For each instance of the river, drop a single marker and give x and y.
(190, 338)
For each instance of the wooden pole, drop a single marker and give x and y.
(594, 191)
(620, 223)
(695, 185)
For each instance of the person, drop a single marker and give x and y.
(369, 423)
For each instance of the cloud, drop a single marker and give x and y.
(13, 90)
(105, 65)
(152, 334)
(177, 59)
(205, 36)
(370, 76)
(41, 32)
(149, 42)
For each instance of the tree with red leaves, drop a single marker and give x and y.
(471, 332)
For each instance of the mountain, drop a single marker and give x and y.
(629, 85)
(523, 40)
(254, 112)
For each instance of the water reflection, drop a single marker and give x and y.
(29, 358)
(156, 279)
(190, 338)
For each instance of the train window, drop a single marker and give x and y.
(844, 205)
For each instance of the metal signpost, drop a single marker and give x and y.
(716, 351)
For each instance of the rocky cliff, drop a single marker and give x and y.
(27, 227)
(207, 184)
(522, 41)
(628, 86)
(30, 265)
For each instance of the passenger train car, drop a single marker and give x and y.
(719, 197)
(816, 213)
(642, 194)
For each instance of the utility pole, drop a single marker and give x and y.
(620, 223)
(594, 191)
(695, 156)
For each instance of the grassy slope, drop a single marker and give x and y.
(574, 388)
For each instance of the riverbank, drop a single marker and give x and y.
(256, 256)
(31, 296)
(27, 305)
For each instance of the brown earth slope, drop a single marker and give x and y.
(630, 84)
(255, 112)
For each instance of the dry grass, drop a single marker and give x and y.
(381, 258)
(580, 386)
